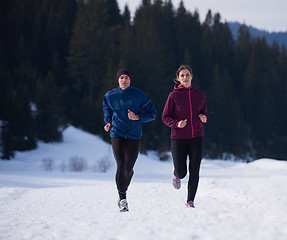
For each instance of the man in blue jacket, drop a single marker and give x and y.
(125, 109)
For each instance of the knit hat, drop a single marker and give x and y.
(124, 71)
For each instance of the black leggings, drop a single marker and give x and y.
(180, 148)
(125, 152)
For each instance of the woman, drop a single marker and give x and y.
(125, 109)
(184, 112)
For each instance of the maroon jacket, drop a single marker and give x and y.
(184, 103)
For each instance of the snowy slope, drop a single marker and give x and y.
(234, 200)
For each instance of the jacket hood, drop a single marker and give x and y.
(179, 86)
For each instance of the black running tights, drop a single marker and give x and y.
(125, 152)
(180, 148)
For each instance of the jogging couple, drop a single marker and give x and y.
(126, 108)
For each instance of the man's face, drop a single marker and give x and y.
(124, 81)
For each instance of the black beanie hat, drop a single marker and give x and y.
(124, 71)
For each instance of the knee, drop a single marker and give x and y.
(120, 167)
(129, 172)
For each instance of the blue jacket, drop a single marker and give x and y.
(116, 104)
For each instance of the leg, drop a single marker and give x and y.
(179, 155)
(118, 150)
(131, 154)
(195, 156)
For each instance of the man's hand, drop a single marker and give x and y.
(107, 127)
(132, 116)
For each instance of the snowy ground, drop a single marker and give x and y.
(234, 200)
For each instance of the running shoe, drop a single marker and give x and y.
(123, 205)
(190, 204)
(176, 182)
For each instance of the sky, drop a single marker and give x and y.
(269, 15)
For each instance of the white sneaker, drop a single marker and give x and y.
(176, 182)
(123, 205)
(190, 204)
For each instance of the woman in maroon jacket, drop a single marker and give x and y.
(184, 112)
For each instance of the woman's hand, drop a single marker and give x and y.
(182, 123)
(202, 118)
(132, 116)
(107, 127)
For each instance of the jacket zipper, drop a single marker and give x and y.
(190, 107)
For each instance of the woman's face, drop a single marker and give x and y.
(185, 78)
(124, 81)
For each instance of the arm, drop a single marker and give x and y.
(167, 115)
(108, 113)
(203, 113)
(148, 112)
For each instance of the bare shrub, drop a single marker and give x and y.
(103, 164)
(164, 156)
(63, 166)
(48, 164)
(77, 164)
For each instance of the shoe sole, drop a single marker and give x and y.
(124, 210)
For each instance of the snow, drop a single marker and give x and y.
(235, 200)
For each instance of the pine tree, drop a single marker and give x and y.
(7, 115)
(154, 58)
(24, 131)
(188, 37)
(48, 112)
(224, 127)
(222, 43)
(242, 51)
(206, 65)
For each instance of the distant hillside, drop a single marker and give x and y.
(279, 37)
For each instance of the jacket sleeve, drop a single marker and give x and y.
(108, 112)
(167, 115)
(204, 109)
(148, 112)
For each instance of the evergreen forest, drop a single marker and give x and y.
(59, 57)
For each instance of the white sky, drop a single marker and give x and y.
(270, 15)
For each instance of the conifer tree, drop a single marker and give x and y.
(7, 115)
(224, 127)
(222, 43)
(24, 131)
(48, 110)
(95, 31)
(154, 58)
(205, 67)
(242, 51)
